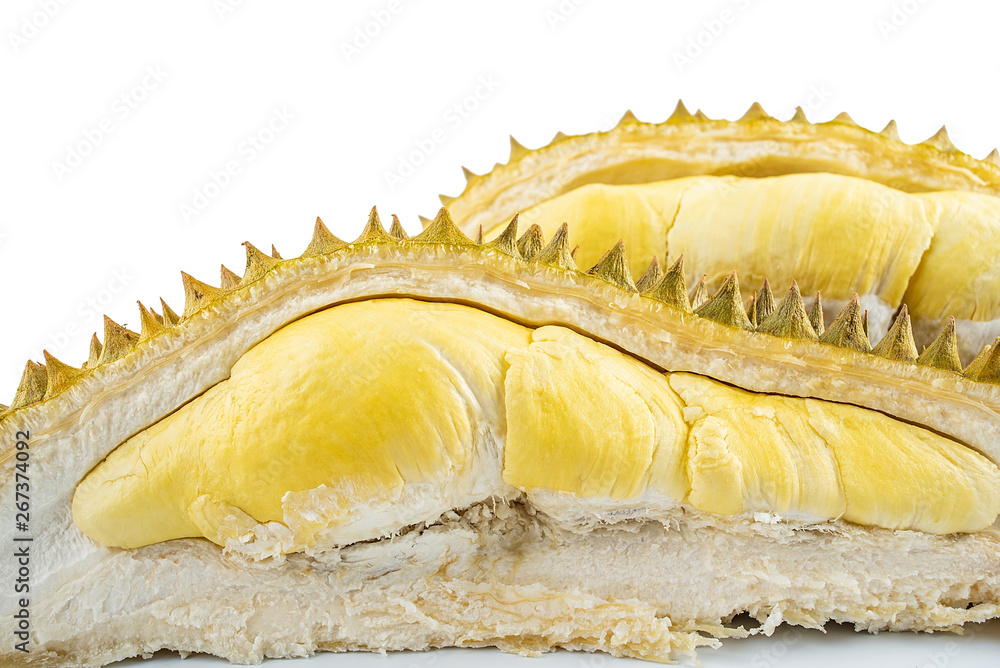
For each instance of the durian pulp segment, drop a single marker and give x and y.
(831, 233)
(356, 421)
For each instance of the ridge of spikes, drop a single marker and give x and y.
(506, 243)
(816, 315)
(700, 294)
(726, 305)
(557, 253)
(650, 277)
(230, 280)
(196, 294)
(118, 341)
(258, 263)
(942, 353)
(374, 233)
(59, 375)
(442, 230)
(789, 319)
(169, 317)
(613, 268)
(897, 344)
(847, 330)
(323, 241)
(149, 325)
(95, 351)
(765, 302)
(32, 386)
(396, 230)
(531, 242)
(672, 287)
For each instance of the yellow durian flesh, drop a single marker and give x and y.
(327, 423)
(831, 233)
(959, 275)
(363, 398)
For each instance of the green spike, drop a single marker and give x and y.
(613, 268)
(726, 305)
(230, 279)
(531, 242)
(397, 229)
(32, 387)
(672, 287)
(258, 263)
(700, 294)
(197, 294)
(323, 241)
(150, 326)
(751, 309)
(95, 351)
(169, 317)
(816, 315)
(897, 344)
(943, 351)
(507, 241)
(59, 375)
(650, 277)
(118, 341)
(374, 233)
(765, 302)
(976, 365)
(789, 319)
(847, 331)
(989, 370)
(557, 254)
(442, 230)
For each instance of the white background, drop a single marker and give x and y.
(91, 234)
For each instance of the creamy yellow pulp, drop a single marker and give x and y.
(831, 233)
(326, 422)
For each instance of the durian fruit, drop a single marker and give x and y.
(834, 206)
(403, 443)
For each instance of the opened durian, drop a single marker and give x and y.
(402, 443)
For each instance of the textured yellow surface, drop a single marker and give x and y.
(360, 400)
(585, 419)
(364, 396)
(959, 275)
(832, 233)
